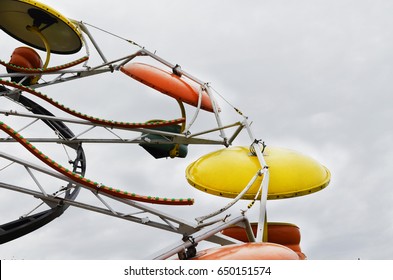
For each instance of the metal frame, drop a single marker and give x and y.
(191, 232)
(29, 223)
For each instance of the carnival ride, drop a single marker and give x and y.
(253, 172)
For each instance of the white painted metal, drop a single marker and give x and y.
(233, 201)
(209, 231)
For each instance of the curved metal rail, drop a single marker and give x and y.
(110, 123)
(87, 182)
(29, 223)
(22, 70)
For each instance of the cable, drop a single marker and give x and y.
(112, 34)
(230, 104)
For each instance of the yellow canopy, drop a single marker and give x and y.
(16, 16)
(226, 173)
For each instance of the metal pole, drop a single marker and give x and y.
(201, 83)
(264, 183)
(217, 114)
(84, 29)
(236, 199)
(170, 65)
(203, 236)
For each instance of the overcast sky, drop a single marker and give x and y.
(313, 76)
